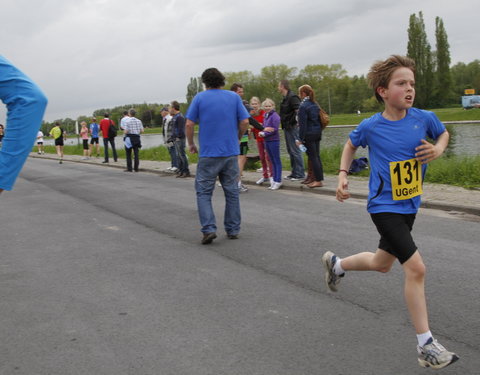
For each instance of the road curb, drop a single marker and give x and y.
(426, 203)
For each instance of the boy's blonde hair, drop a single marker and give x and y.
(381, 72)
(269, 101)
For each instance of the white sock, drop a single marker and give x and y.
(423, 338)
(337, 268)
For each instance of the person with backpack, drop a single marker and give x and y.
(109, 132)
(58, 135)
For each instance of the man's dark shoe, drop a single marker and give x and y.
(105, 161)
(208, 238)
(180, 175)
(127, 170)
(232, 236)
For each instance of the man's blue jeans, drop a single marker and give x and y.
(296, 157)
(173, 156)
(226, 168)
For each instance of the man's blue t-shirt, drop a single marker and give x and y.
(218, 113)
(94, 128)
(391, 148)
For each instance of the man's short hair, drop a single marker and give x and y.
(213, 79)
(381, 72)
(235, 87)
(106, 115)
(164, 109)
(285, 84)
(175, 105)
(125, 113)
(131, 112)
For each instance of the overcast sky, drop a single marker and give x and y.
(92, 54)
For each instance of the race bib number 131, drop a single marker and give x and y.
(406, 177)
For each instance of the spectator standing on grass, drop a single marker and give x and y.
(258, 114)
(59, 135)
(94, 130)
(167, 134)
(272, 141)
(133, 127)
(178, 138)
(223, 120)
(310, 133)
(288, 115)
(40, 142)
(84, 136)
(107, 127)
(242, 157)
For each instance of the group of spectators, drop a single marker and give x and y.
(299, 118)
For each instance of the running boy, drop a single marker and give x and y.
(398, 152)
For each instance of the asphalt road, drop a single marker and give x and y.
(102, 272)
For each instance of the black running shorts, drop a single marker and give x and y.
(395, 234)
(243, 148)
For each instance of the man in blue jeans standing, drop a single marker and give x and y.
(26, 105)
(288, 115)
(223, 120)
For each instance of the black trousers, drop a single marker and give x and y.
(135, 140)
(312, 143)
(105, 148)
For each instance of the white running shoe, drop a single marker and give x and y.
(331, 278)
(260, 170)
(434, 355)
(276, 186)
(261, 181)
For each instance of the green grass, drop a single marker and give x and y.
(444, 114)
(455, 170)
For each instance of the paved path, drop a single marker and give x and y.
(437, 196)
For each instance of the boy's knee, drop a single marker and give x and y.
(383, 268)
(416, 269)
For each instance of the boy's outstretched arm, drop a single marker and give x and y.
(427, 151)
(347, 156)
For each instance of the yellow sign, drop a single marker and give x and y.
(406, 178)
(469, 91)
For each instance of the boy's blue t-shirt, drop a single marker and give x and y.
(395, 179)
(218, 113)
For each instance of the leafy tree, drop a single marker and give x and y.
(442, 75)
(193, 88)
(419, 50)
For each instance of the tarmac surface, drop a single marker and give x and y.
(435, 196)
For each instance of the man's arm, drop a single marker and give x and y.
(189, 132)
(26, 105)
(242, 128)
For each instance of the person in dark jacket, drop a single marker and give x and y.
(178, 138)
(310, 132)
(288, 114)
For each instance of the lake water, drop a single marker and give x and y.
(465, 139)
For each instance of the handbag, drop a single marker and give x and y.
(324, 118)
(112, 130)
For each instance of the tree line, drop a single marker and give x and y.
(438, 83)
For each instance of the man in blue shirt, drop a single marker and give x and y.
(26, 105)
(223, 120)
